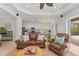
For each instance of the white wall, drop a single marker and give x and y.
(63, 24)
(18, 27)
(38, 25)
(11, 21)
(41, 25)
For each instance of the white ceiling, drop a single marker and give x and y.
(5, 14)
(32, 12)
(34, 8)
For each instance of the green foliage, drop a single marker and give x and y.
(74, 28)
(3, 30)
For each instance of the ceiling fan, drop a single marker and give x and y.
(48, 4)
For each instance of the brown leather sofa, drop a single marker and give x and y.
(31, 42)
(0, 43)
(58, 48)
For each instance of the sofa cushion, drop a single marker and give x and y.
(40, 42)
(59, 40)
(34, 42)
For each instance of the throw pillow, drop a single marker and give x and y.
(59, 40)
(21, 38)
(24, 38)
(40, 37)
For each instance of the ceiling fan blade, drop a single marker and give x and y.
(49, 4)
(41, 5)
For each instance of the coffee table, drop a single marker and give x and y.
(39, 51)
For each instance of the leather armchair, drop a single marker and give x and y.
(31, 42)
(59, 49)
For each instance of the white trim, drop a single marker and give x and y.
(68, 24)
(9, 11)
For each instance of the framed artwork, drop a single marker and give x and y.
(8, 26)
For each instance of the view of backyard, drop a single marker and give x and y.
(74, 28)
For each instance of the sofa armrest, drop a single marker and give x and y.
(17, 41)
(20, 42)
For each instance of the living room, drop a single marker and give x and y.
(18, 20)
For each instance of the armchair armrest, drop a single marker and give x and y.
(51, 40)
(44, 40)
(63, 46)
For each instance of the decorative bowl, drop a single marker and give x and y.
(30, 51)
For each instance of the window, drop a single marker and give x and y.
(74, 28)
